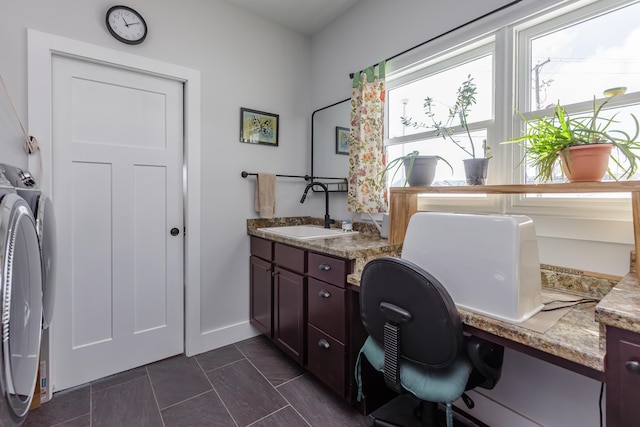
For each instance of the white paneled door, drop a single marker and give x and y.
(118, 187)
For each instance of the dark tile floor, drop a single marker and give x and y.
(250, 383)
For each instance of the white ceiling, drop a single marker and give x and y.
(302, 16)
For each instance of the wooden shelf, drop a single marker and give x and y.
(584, 187)
(404, 200)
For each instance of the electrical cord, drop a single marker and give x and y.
(568, 303)
(30, 142)
(600, 405)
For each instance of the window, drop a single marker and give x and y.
(528, 61)
(439, 83)
(576, 56)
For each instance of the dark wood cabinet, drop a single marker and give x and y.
(302, 295)
(329, 269)
(326, 359)
(289, 299)
(622, 372)
(326, 306)
(261, 307)
(288, 312)
(327, 323)
(261, 283)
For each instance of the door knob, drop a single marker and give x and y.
(175, 231)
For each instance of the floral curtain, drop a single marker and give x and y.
(367, 190)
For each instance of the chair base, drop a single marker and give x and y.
(401, 412)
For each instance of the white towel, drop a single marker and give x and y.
(265, 201)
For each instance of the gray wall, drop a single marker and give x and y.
(245, 61)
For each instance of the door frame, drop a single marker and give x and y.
(41, 48)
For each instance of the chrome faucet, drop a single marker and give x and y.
(327, 219)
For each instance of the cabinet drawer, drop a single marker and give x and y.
(328, 269)
(262, 248)
(289, 257)
(326, 306)
(326, 359)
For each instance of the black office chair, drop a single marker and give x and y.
(416, 339)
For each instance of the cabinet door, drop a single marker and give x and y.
(289, 320)
(623, 377)
(261, 296)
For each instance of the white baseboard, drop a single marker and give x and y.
(493, 413)
(226, 335)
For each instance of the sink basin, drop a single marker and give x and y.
(306, 232)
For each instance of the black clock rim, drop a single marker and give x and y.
(116, 35)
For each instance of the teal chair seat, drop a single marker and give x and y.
(434, 385)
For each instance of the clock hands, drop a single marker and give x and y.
(133, 23)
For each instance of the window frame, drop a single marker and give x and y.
(592, 205)
(509, 35)
(452, 57)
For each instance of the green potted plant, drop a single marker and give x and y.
(476, 165)
(582, 144)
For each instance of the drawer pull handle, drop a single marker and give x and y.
(633, 366)
(323, 343)
(324, 267)
(324, 294)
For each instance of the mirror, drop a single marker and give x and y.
(329, 149)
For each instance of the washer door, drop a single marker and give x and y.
(21, 318)
(46, 229)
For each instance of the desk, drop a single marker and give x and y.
(574, 342)
(579, 342)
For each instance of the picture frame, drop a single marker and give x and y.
(259, 127)
(342, 140)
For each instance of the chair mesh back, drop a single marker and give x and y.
(433, 336)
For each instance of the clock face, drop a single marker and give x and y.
(126, 25)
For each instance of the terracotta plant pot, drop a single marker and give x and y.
(585, 163)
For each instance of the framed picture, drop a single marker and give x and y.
(342, 140)
(258, 127)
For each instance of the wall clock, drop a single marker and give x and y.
(126, 25)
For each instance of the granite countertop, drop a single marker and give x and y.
(621, 306)
(578, 336)
(575, 337)
(367, 244)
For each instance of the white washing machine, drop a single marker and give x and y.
(20, 304)
(42, 210)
